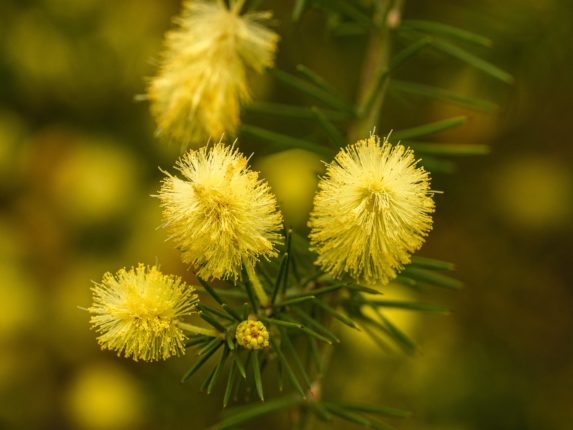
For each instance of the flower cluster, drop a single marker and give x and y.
(220, 214)
(202, 80)
(372, 210)
(137, 311)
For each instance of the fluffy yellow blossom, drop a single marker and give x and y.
(252, 335)
(372, 210)
(137, 313)
(220, 215)
(202, 80)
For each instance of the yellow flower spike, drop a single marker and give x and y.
(202, 81)
(372, 210)
(220, 215)
(252, 335)
(137, 313)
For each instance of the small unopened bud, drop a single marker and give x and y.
(252, 335)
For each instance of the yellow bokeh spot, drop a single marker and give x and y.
(19, 299)
(293, 176)
(97, 181)
(535, 192)
(104, 397)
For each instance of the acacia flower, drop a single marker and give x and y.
(252, 335)
(372, 210)
(202, 80)
(137, 313)
(220, 214)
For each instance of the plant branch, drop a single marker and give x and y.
(375, 73)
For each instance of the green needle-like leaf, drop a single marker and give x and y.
(232, 313)
(230, 385)
(434, 164)
(385, 326)
(317, 80)
(283, 323)
(298, 9)
(207, 380)
(411, 306)
(281, 375)
(212, 321)
(431, 263)
(246, 414)
(331, 131)
(319, 291)
(338, 315)
(197, 340)
(347, 9)
(257, 375)
(472, 60)
(433, 28)
(210, 290)
(345, 414)
(200, 362)
(407, 344)
(449, 149)
(292, 351)
(363, 289)
(296, 300)
(215, 341)
(317, 326)
(317, 335)
(314, 353)
(442, 94)
(235, 293)
(376, 338)
(293, 111)
(286, 366)
(427, 129)
(217, 370)
(378, 410)
(285, 142)
(408, 53)
(284, 283)
(320, 410)
(312, 90)
(240, 365)
(205, 308)
(250, 292)
(281, 273)
(431, 278)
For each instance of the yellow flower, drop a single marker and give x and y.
(202, 80)
(137, 313)
(372, 210)
(252, 335)
(220, 215)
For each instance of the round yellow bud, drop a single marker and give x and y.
(252, 335)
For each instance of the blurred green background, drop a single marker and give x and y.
(78, 163)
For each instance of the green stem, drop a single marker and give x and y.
(257, 286)
(190, 328)
(375, 74)
(374, 80)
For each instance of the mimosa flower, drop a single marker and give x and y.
(220, 214)
(202, 80)
(137, 312)
(372, 210)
